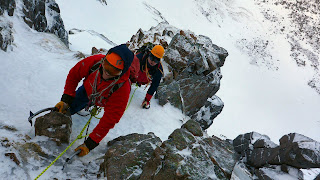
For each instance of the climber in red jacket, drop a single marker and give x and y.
(106, 84)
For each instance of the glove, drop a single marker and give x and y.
(62, 107)
(145, 104)
(84, 150)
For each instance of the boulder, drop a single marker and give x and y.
(279, 172)
(54, 125)
(126, 155)
(189, 154)
(245, 142)
(299, 151)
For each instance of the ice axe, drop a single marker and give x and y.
(32, 115)
(68, 159)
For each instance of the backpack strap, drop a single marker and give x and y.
(115, 88)
(96, 66)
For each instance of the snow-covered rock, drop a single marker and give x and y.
(44, 16)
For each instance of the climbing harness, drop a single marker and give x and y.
(94, 112)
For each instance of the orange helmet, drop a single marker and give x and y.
(158, 51)
(113, 64)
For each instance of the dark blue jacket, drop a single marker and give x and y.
(155, 71)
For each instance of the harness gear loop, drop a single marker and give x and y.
(95, 94)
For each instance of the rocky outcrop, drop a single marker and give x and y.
(7, 6)
(44, 16)
(194, 74)
(263, 157)
(54, 125)
(299, 151)
(126, 155)
(6, 37)
(188, 154)
(195, 63)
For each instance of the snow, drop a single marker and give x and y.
(256, 97)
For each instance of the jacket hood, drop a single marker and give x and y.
(126, 55)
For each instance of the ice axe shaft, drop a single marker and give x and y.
(69, 158)
(32, 115)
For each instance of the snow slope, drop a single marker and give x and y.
(263, 91)
(266, 94)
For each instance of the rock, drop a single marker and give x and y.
(194, 70)
(241, 172)
(211, 109)
(245, 142)
(126, 155)
(30, 150)
(79, 55)
(299, 151)
(7, 5)
(54, 125)
(13, 157)
(94, 50)
(275, 172)
(193, 127)
(185, 156)
(44, 16)
(6, 34)
(263, 156)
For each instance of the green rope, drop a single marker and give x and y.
(132, 97)
(93, 114)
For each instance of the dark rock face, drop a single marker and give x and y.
(54, 125)
(296, 150)
(211, 109)
(195, 63)
(281, 172)
(7, 5)
(189, 155)
(265, 157)
(245, 142)
(44, 16)
(6, 37)
(127, 155)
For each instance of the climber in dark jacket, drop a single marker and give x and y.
(148, 71)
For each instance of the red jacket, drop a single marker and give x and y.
(114, 106)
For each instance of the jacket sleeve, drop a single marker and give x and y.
(79, 71)
(113, 111)
(134, 69)
(156, 78)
